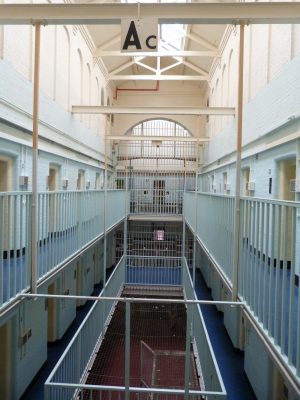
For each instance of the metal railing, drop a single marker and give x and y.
(156, 201)
(69, 379)
(67, 221)
(269, 270)
(211, 372)
(269, 261)
(15, 248)
(73, 365)
(214, 223)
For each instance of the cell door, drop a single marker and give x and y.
(6, 366)
(52, 314)
(53, 185)
(286, 174)
(5, 174)
(159, 193)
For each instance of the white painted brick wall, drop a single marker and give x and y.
(17, 48)
(268, 50)
(59, 79)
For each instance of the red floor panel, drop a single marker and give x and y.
(162, 328)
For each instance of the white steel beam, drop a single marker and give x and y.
(201, 71)
(146, 66)
(157, 138)
(171, 66)
(123, 66)
(203, 42)
(157, 77)
(153, 110)
(161, 53)
(116, 39)
(167, 13)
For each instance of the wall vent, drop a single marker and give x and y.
(65, 183)
(23, 180)
(250, 186)
(294, 185)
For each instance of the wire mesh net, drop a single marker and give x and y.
(147, 365)
(157, 352)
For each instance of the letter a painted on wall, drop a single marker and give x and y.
(139, 35)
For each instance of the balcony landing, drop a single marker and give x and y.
(155, 217)
(150, 291)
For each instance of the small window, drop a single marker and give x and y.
(120, 184)
(159, 234)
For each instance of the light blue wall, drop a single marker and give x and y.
(66, 309)
(258, 365)
(69, 168)
(28, 358)
(262, 166)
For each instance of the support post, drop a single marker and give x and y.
(35, 136)
(126, 204)
(187, 351)
(239, 123)
(127, 350)
(196, 216)
(105, 208)
(183, 239)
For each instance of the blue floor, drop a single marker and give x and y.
(230, 361)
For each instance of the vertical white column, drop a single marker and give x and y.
(35, 136)
(105, 206)
(239, 123)
(196, 214)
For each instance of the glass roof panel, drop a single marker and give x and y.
(170, 34)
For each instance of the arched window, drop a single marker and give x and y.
(87, 76)
(102, 97)
(224, 98)
(224, 94)
(229, 80)
(217, 93)
(62, 79)
(78, 69)
(216, 119)
(97, 101)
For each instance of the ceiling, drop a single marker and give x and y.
(200, 41)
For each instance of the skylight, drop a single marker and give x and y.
(171, 35)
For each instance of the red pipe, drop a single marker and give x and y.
(156, 89)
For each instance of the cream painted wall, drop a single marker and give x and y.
(168, 94)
